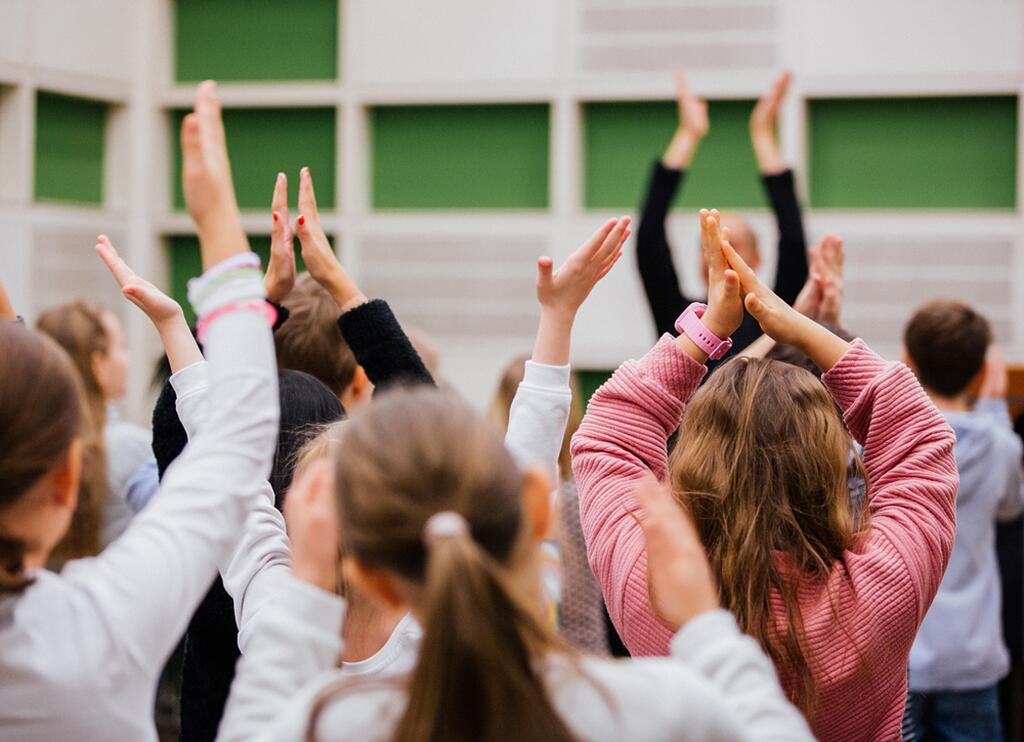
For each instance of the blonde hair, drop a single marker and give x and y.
(78, 327)
(501, 405)
(415, 453)
(761, 465)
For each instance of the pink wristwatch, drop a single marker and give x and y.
(689, 324)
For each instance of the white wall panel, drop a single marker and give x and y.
(14, 45)
(451, 41)
(92, 38)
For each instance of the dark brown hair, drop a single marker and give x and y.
(41, 413)
(310, 340)
(947, 342)
(412, 454)
(79, 329)
(761, 465)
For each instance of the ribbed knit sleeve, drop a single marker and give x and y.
(622, 439)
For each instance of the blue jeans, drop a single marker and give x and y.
(957, 716)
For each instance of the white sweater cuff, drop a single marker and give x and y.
(703, 631)
(190, 378)
(543, 376)
(311, 605)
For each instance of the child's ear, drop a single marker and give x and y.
(67, 475)
(537, 488)
(907, 361)
(375, 584)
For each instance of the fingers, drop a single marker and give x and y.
(682, 85)
(593, 245)
(191, 147)
(307, 196)
(748, 279)
(279, 202)
(115, 264)
(665, 525)
(613, 241)
(208, 111)
(781, 86)
(714, 255)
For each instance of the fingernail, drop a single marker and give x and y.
(280, 176)
(275, 216)
(302, 220)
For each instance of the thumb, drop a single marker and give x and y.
(754, 305)
(545, 267)
(731, 285)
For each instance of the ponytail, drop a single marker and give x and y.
(475, 679)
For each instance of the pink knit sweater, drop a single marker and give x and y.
(880, 589)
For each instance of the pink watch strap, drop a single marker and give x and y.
(689, 324)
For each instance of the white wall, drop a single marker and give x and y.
(561, 53)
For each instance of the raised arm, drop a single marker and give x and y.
(540, 409)
(145, 586)
(653, 253)
(777, 178)
(623, 439)
(371, 330)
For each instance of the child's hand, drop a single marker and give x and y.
(206, 180)
(280, 275)
(763, 120)
(158, 306)
(317, 254)
(679, 578)
(778, 320)
(693, 111)
(831, 258)
(311, 514)
(995, 384)
(725, 309)
(562, 292)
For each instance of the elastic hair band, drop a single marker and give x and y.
(444, 524)
(261, 306)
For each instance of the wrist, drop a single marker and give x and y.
(561, 316)
(172, 323)
(341, 288)
(325, 579)
(716, 324)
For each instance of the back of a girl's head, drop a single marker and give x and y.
(78, 328)
(40, 415)
(415, 452)
(761, 464)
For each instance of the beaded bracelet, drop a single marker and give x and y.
(268, 311)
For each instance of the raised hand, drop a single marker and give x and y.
(562, 292)
(782, 322)
(679, 578)
(763, 121)
(317, 254)
(693, 125)
(311, 514)
(162, 310)
(206, 180)
(725, 310)
(158, 306)
(995, 384)
(831, 258)
(280, 276)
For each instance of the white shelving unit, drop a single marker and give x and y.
(562, 54)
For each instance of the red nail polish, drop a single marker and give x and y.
(302, 220)
(275, 216)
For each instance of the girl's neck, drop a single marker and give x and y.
(367, 628)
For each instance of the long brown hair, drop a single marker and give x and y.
(79, 329)
(413, 454)
(40, 415)
(501, 405)
(761, 465)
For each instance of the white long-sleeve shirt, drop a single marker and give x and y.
(80, 652)
(716, 685)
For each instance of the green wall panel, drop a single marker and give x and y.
(460, 157)
(908, 153)
(265, 141)
(69, 148)
(622, 140)
(185, 262)
(250, 40)
(589, 380)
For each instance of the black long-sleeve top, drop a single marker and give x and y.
(382, 348)
(658, 272)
